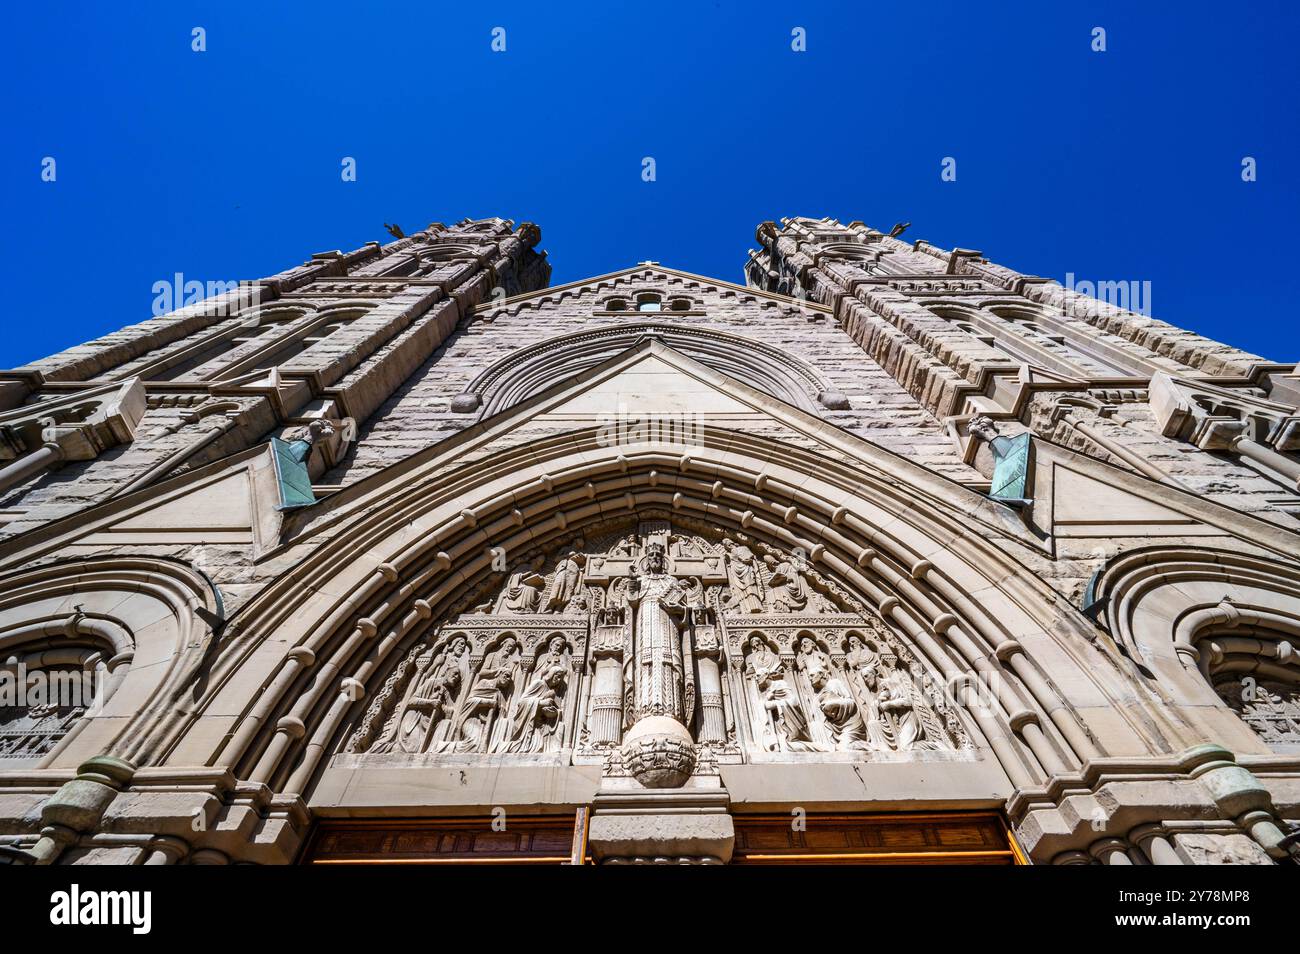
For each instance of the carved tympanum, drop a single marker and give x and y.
(652, 647)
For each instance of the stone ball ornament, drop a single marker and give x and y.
(658, 752)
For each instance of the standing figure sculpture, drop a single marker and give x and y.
(568, 577)
(658, 749)
(746, 582)
(899, 702)
(787, 589)
(863, 664)
(657, 597)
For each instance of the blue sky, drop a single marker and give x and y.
(223, 165)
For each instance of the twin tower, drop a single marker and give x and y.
(946, 561)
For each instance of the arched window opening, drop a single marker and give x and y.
(1258, 677)
(1167, 609)
(1076, 349)
(649, 301)
(216, 350)
(296, 347)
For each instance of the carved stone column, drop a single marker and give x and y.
(605, 723)
(708, 649)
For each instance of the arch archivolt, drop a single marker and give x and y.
(1215, 633)
(889, 562)
(531, 370)
(132, 631)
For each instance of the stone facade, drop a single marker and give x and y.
(403, 554)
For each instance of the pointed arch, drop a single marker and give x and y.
(975, 616)
(531, 370)
(139, 625)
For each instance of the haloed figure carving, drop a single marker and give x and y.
(658, 680)
(628, 643)
(782, 723)
(844, 725)
(899, 701)
(864, 666)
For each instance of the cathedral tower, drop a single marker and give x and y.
(890, 554)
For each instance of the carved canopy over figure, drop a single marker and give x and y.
(903, 708)
(863, 664)
(844, 728)
(647, 615)
(487, 698)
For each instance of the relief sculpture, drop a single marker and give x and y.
(652, 647)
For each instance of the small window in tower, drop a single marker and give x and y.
(649, 302)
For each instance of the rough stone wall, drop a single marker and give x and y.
(419, 413)
(966, 336)
(341, 333)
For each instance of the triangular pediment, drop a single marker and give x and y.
(1086, 498)
(652, 377)
(1090, 505)
(657, 382)
(231, 503)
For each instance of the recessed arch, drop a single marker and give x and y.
(531, 370)
(941, 588)
(1198, 621)
(143, 624)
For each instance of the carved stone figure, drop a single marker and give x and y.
(567, 583)
(783, 726)
(787, 588)
(835, 701)
(863, 664)
(430, 701)
(658, 676)
(522, 593)
(535, 723)
(745, 580)
(489, 692)
(898, 699)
